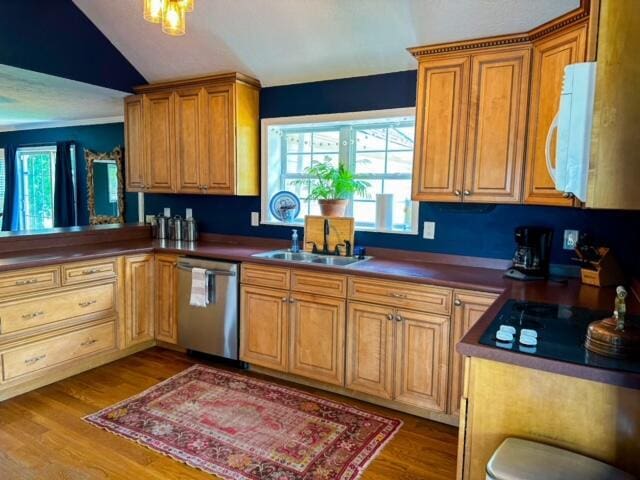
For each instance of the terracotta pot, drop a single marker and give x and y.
(333, 208)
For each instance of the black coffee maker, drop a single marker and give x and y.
(533, 251)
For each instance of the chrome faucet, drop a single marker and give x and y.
(325, 243)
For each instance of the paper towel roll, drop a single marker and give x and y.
(384, 211)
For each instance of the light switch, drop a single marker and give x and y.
(429, 230)
(570, 239)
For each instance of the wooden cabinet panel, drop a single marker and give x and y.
(139, 296)
(550, 57)
(189, 131)
(441, 119)
(317, 338)
(134, 143)
(30, 280)
(422, 346)
(467, 310)
(159, 139)
(264, 327)
(166, 315)
(265, 276)
(319, 283)
(370, 349)
(220, 140)
(497, 126)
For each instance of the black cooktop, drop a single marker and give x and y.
(561, 333)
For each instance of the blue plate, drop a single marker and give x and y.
(285, 206)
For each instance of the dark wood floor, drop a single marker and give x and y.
(43, 436)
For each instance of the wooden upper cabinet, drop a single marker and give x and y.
(139, 299)
(134, 143)
(550, 57)
(195, 136)
(497, 126)
(441, 119)
(166, 302)
(159, 142)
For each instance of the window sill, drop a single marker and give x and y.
(358, 229)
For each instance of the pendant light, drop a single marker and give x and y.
(188, 5)
(173, 18)
(153, 10)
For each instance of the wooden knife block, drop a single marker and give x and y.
(606, 272)
(340, 229)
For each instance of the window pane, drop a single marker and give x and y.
(327, 141)
(371, 139)
(401, 138)
(298, 142)
(370, 162)
(364, 212)
(400, 162)
(332, 158)
(376, 187)
(296, 163)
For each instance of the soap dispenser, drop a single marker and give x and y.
(295, 246)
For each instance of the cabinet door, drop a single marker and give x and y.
(166, 298)
(264, 327)
(189, 131)
(370, 349)
(139, 296)
(317, 338)
(159, 142)
(441, 119)
(218, 170)
(550, 56)
(468, 308)
(134, 143)
(422, 357)
(497, 126)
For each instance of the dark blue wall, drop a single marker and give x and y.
(55, 37)
(485, 231)
(101, 138)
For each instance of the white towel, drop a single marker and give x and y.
(199, 287)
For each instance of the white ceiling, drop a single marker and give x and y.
(35, 100)
(292, 41)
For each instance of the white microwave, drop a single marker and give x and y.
(573, 122)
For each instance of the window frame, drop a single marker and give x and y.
(373, 115)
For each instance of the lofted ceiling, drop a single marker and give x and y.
(35, 100)
(293, 41)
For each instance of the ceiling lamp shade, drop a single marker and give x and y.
(188, 5)
(173, 18)
(153, 10)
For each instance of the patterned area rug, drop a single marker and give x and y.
(241, 428)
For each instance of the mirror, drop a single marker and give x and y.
(104, 186)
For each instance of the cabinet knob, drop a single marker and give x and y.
(390, 316)
(568, 195)
(398, 318)
(291, 300)
(467, 192)
(285, 299)
(457, 302)
(457, 193)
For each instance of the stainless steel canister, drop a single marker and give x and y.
(177, 228)
(162, 227)
(191, 230)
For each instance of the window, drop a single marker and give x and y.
(376, 146)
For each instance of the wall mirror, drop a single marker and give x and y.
(104, 186)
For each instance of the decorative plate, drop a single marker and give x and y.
(285, 206)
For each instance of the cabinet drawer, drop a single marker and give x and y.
(35, 312)
(73, 273)
(31, 280)
(319, 283)
(56, 350)
(423, 298)
(264, 276)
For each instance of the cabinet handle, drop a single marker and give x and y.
(398, 295)
(399, 318)
(90, 271)
(87, 303)
(285, 299)
(86, 343)
(457, 302)
(467, 192)
(32, 360)
(457, 193)
(291, 300)
(29, 316)
(568, 195)
(390, 316)
(27, 282)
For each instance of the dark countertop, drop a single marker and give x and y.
(448, 271)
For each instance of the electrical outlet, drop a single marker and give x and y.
(570, 239)
(167, 212)
(429, 230)
(255, 219)
(188, 213)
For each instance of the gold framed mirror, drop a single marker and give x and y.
(105, 190)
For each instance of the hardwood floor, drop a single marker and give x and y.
(42, 434)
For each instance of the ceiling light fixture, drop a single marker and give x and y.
(170, 13)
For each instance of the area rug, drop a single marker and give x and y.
(240, 428)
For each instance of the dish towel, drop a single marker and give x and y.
(199, 287)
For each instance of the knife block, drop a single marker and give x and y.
(340, 229)
(605, 273)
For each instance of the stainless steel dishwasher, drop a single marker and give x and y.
(212, 329)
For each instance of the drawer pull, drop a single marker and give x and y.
(87, 303)
(29, 316)
(399, 318)
(32, 360)
(398, 295)
(86, 343)
(390, 316)
(27, 282)
(91, 271)
(457, 302)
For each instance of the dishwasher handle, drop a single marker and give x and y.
(188, 268)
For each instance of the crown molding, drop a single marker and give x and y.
(68, 123)
(222, 78)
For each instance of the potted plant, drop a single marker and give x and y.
(332, 187)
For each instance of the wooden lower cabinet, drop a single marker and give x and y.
(370, 349)
(468, 307)
(139, 297)
(317, 325)
(264, 325)
(166, 302)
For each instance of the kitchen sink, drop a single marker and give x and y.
(310, 258)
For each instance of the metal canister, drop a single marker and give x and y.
(162, 227)
(191, 230)
(177, 228)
